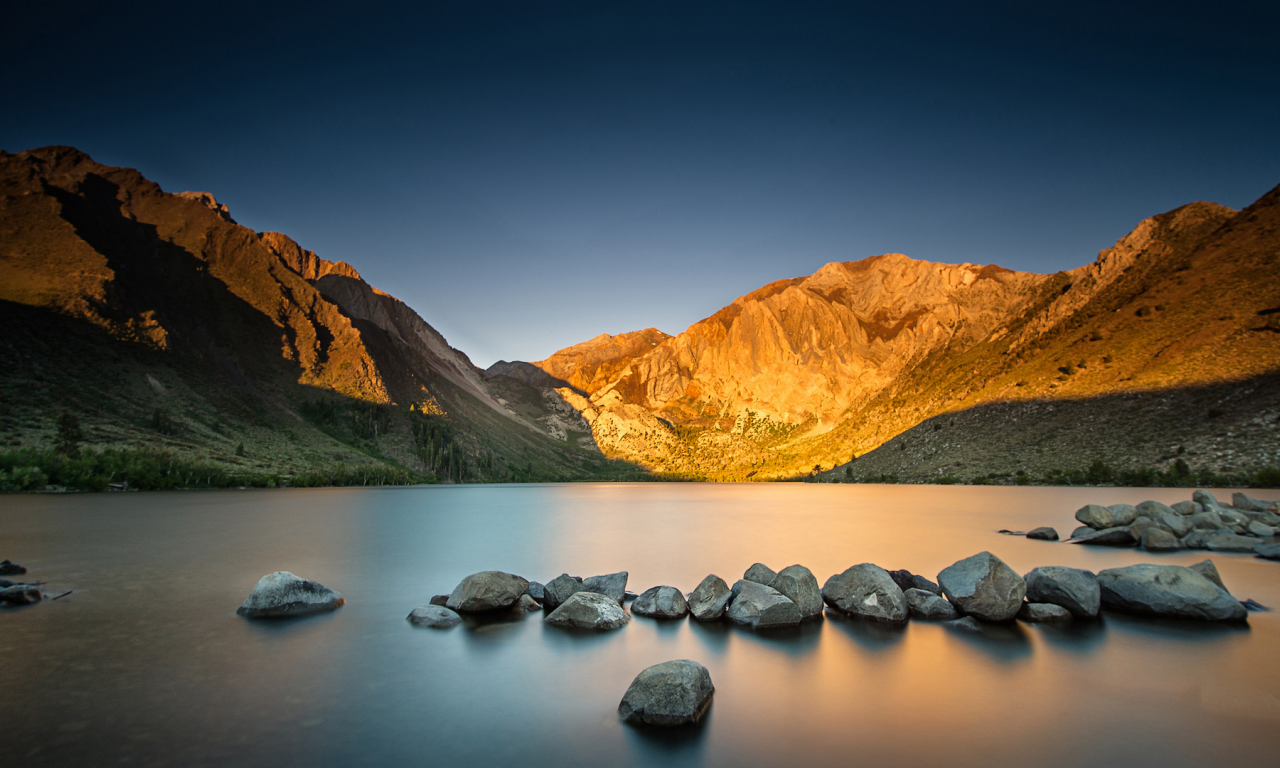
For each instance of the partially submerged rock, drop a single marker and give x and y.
(1267, 551)
(21, 594)
(1074, 589)
(1043, 533)
(710, 600)
(868, 592)
(612, 584)
(671, 693)
(559, 589)
(660, 603)
(1036, 612)
(11, 569)
(487, 591)
(801, 587)
(434, 616)
(984, 587)
(1154, 509)
(908, 580)
(928, 606)
(1232, 542)
(760, 574)
(589, 610)
(1170, 591)
(282, 594)
(1107, 537)
(1158, 540)
(759, 607)
(1100, 518)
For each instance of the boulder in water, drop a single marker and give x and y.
(559, 589)
(1072, 588)
(1249, 504)
(486, 591)
(671, 693)
(1107, 537)
(21, 594)
(1177, 524)
(1157, 540)
(1036, 612)
(1043, 533)
(1256, 528)
(589, 610)
(612, 584)
(1207, 521)
(1170, 591)
(1154, 509)
(760, 574)
(928, 606)
(1096, 517)
(1267, 551)
(434, 616)
(868, 592)
(1231, 542)
(11, 569)
(709, 601)
(800, 586)
(439, 600)
(281, 594)
(660, 603)
(759, 607)
(984, 587)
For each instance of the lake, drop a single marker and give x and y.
(147, 663)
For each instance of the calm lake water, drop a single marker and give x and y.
(147, 663)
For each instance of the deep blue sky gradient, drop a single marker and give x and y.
(527, 175)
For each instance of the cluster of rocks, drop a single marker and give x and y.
(17, 593)
(1246, 525)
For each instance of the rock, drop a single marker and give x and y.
(1154, 509)
(761, 607)
(984, 587)
(487, 591)
(1266, 518)
(928, 606)
(1197, 540)
(1097, 517)
(1177, 524)
(1008, 532)
(629, 595)
(1034, 612)
(434, 616)
(612, 584)
(559, 589)
(536, 590)
(1241, 501)
(1207, 569)
(1267, 551)
(283, 594)
(5, 583)
(1170, 591)
(868, 592)
(966, 624)
(439, 600)
(1156, 540)
(1205, 499)
(589, 610)
(670, 693)
(709, 601)
(1140, 526)
(908, 580)
(11, 569)
(1107, 537)
(526, 604)
(760, 574)
(21, 594)
(660, 603)
(798, 584)
(1260, 530)
(1233, 517)
(1081, 532)
(1231, 542)
(1043, 533)
(1187, 508)
(1123, 514)
(1206, 521)
(1072, 588)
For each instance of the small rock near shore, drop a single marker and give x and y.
(660, 603)
(434, 616)
(282, 594)
(667, 694)
(710, 599)
(589, 610)
(1043, 533)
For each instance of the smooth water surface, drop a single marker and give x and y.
(147, 663)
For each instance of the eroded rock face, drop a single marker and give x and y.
(589, 610)
(799, 584)
(487, 591)
(282, 594)
(671, 693)
(660, 603)
(1072, 588)
(984, 587)
(710, 600)
(612, 584)
(760, 574)
(928, 606)
(1036, 612)
(868, 592)
(760, 607)
(1169, 591)
(559, 589)
(434, 616)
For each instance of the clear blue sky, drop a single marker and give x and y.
(528, 175)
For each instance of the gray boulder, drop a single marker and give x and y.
(8, 568)
(1107, 537)
(434, 616)
(1043, 533)
(1207, 521)
(1035, 612)
(1157, 540)
(536, 590)
(1072, 588)
(1140, 526)
(1080, 532)
(281, 594)
(612, 584)
(670, 693)
(1232, 542)
(928, 606)
(710, 599)
(1267, 551)
(1170, 591)
(1197, 539)
(1242, 501)
(1205, 499)
(1097, 517)
(984, 587)
(759, 607)
(1233, 517)
(868, 592)
(800, 586)
(908, 580)
(1258, 529)
(21, 594)
(1207, 569)
(589, 610)
(487, 591)
(660, 603)
(439, 600)
(1123, 514)
(559, 589)
(1176, 524)
(1186, 508)
(760, 574)
(1154, 509)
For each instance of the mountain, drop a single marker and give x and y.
(803, 374)
(161, 323)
